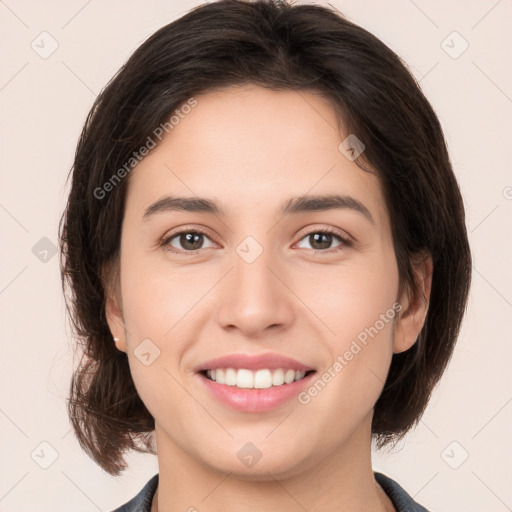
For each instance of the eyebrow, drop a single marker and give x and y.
(294, 205)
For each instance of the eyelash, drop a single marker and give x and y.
(345, 241)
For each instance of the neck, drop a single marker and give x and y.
(340, 480)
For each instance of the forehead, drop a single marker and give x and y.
(251, 147)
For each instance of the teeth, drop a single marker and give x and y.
(220, 376)
(260, 379)
(289, 376)
(230, 377)
(299, 375)
(244, 379)
(278, 377)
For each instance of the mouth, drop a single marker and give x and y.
(254, 383)
(264, 378)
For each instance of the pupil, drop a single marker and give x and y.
(191, 241)
(316, 237)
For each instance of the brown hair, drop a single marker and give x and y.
(281, 47)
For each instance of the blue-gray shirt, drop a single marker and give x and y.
(401, 500)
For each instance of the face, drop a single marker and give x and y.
(308, 294)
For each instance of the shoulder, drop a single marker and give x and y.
(401, 500)
(142, 501)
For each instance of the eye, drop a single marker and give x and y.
(191, 241)
(322, 239)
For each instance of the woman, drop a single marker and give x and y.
(267, 260)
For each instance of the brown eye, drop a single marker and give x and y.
(321, 241)
(191, 241)
(185, 241)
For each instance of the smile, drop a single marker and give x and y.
(260, 379)
(254, 383)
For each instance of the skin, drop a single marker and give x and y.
(251, 149)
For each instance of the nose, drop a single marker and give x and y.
(255, 298)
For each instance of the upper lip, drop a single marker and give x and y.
(253, 362)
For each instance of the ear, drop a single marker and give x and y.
(414, 305)
(113, 305)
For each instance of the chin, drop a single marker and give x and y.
(250, 464)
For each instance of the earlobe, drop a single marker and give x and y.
(120, 344)
(116, 323)
(113, 311)
(414, 305)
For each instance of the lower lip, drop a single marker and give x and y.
(255, 400)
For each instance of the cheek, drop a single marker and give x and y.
(342, 303)
(152, 311)
(157, 299)
(155, 307)
(366, 327)
(348, 298)
(358, 304)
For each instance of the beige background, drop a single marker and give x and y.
(43, 103)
